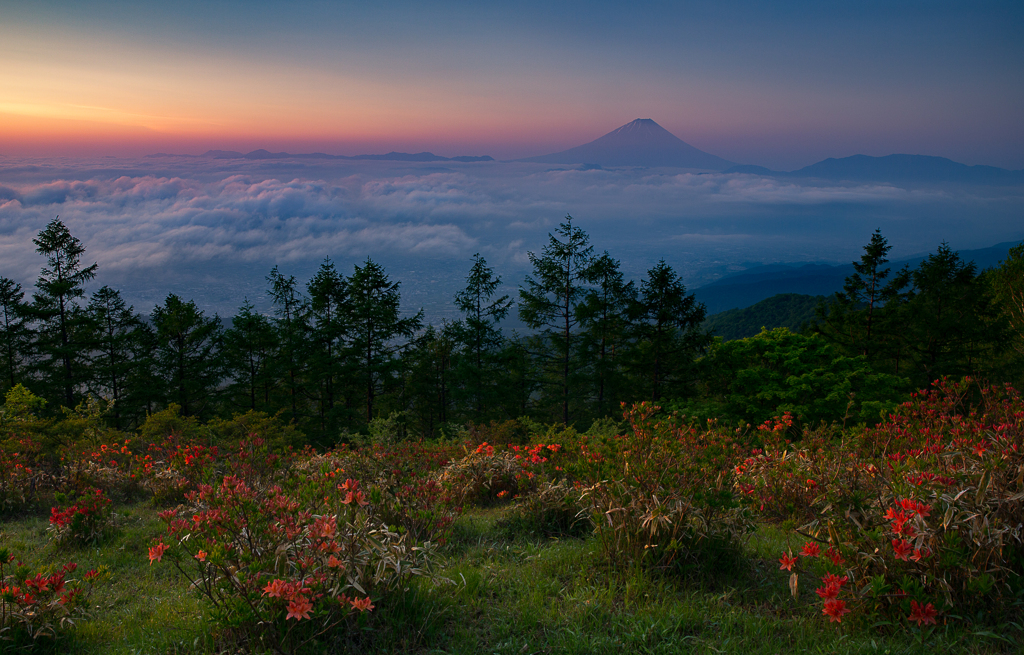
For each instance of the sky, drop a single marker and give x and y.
(780, 84)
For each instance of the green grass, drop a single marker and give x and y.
(495, 594)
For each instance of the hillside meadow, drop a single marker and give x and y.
(653, 534)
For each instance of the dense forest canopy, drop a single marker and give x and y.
(336, 353)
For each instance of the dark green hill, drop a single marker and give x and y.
(789, 310)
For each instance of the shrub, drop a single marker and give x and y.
(85, 520)
(283, 568)
(925, 514)
(553, 510)
(34, 606)
(659, 489)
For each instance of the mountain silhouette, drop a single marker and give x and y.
(894, 168)
(266, 154)
(639, 143)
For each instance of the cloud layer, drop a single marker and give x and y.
(182, 223)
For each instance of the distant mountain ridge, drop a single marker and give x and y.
(755, 284)
(641, 142)
(893, 168)
(266, 154)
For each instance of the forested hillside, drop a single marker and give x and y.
(337, 477)
(788, 310)
(336, 353)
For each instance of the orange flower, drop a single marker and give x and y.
(201, 556)
(362, 604)
(299, 608)
(334, 562)
(275, 588)
(787, 562)
(157, 552)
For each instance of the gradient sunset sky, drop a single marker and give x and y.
(781, 84)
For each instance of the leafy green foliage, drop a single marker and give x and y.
(751, 380)
(789, 310)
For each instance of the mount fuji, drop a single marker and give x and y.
(639, 143)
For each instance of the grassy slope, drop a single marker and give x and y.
(497, 594)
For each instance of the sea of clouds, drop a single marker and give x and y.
(212, 229)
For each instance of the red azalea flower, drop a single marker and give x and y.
(835, 609)
(829, 591)
(810, 549)
(922, 613)
(834, 555)
(902, 548)
(787, 561)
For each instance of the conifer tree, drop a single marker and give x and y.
(375, 323)
(187, 354)
(248, 351)
(480, 335)
(429, 390)
(291, 311)
(550, 300)
(15, 335)
(115, 335)
(950, 319)
(860, 320)
(328, 315)
(666, 324)
(604, 316)
(1008, 286)
(56, 306)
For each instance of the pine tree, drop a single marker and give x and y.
(667, 334)
(375, 323)
(949, 317)
(430, 360)
(604, 316)
(480, 335)
(16, 335)
(1008, 288)
(187, 354)
(60, 286)
(328, 300)
(291, 311)
(248, 349)
(550, 301)
(115, 335)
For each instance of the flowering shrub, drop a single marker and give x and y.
(117, 468)
(38, 605)
(659, 488)
(553, 510)
(283, 568)
(22, 475)
(925, 513)
(83, 521)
